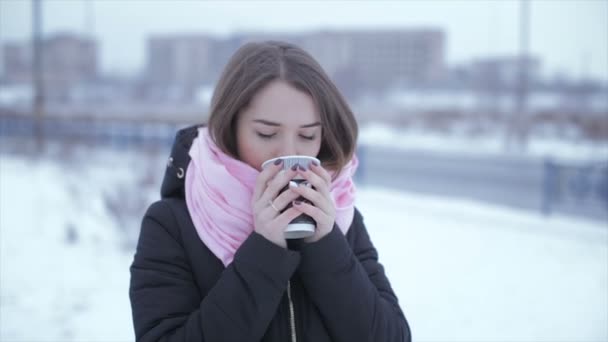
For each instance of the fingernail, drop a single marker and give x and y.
(278, 161)
(314, 163)
(296, 202)
(295, 167)
(302, 168)
(293, 184)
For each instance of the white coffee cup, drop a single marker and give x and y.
(303, 225)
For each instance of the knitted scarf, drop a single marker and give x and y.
(219, 189)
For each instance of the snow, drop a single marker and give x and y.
(53, 289)
(470, 272)
(15, 95)
(463, 271)
(539, 146)
(470, 100)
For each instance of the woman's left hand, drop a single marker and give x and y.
(322, 209)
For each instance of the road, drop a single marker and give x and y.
(522, 182)
(513, 182)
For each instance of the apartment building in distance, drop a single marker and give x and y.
(381, 58)
(68, 60)
(358, 60)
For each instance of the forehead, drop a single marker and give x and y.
(283, 103)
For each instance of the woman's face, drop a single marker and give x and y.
(280, 120)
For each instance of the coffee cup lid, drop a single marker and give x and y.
(289, 161)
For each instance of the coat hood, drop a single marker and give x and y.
(177, 164)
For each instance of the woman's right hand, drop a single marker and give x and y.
(268, 204)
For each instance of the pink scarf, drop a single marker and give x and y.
(218, 197)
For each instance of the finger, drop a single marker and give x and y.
(273, 187)
(269, 210)
(316, 198)
(321, 172)
(272, 208)
(285, 198)
(308, 193)
(317, 181)
(267, 174)
(287, 216)
(268, 213)
(276, 184)
(316, 213)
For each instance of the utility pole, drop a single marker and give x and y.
(38, 106)
(519, 125)
(89, 18)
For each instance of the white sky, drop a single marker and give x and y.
(571, 36)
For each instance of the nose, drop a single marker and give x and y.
(288, 147)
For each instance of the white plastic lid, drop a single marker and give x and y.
(289, 161)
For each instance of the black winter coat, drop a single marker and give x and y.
(330, 290)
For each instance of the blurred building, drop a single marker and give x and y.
(357, 60)
(380, 59)
(68, 61)
(504, 72)
(17, 63)
(178, 65)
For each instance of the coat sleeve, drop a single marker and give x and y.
(167, 304)
(350, 289)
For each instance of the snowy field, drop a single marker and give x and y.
(463, 271)
(569, 147)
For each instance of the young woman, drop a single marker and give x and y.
(212, 262)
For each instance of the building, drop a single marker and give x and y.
(178, 65)
(360, 60)
(368, 60)
(68, 61)
(504, 72)
(382, 58)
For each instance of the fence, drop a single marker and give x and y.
(563, 184)
(113, 132)
(566, 183)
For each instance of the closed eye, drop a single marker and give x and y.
(307, 137)
(265, 136)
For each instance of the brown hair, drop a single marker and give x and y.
(252, 67)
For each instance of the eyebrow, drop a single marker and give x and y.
(276, 124)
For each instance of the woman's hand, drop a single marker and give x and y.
(268, 220)
(322, 209)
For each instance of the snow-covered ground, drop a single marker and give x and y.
(463, 271)
(568, 148)
(470, 272)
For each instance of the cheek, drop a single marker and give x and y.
(313, 149)
(253, 154)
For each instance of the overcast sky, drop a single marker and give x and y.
(570, 36)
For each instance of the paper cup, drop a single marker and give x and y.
(303, 225)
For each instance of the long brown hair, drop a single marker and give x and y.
(252, 67)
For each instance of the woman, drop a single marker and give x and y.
(212, 262)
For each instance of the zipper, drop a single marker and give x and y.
(292, 316)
